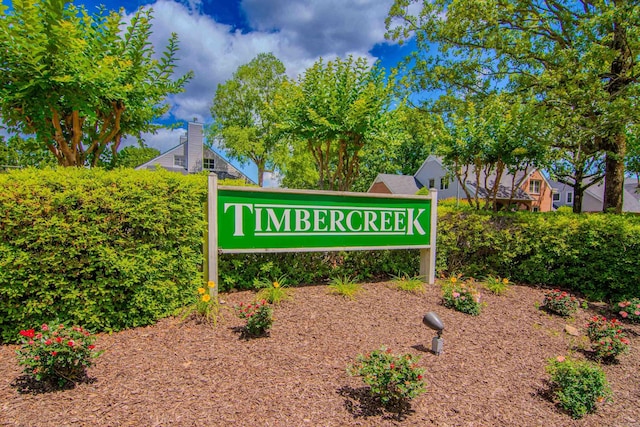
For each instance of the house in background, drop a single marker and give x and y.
(534, 192)
(593, 197)
(192, 156)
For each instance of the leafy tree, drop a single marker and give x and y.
(81, 82)
(18, 152)
(400, 146)
(489, 138)
(580, 58)
(336, 108)
(240, 112)
(576, 160)
(128, 157)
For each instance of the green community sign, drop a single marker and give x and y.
(248, 219)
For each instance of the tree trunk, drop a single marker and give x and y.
(578, 194)
(614, 174)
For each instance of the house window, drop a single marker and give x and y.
(444, 183)
(569, 197)
(432, 183)
(556, 197)
(178, 161)
(208, 164)
(535, 209)
(534, 186)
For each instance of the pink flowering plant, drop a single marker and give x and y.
(259, 317)
(560, 302)
(394, 379)
(607, 338)
(630, 309)
(56, 353)
(461, 295)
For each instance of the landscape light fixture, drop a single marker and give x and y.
(433, 321)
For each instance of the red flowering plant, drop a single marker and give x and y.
(630, 309)
(57, 354)
(394, 379)
(560, 302)
(607, 338)
(259, 317)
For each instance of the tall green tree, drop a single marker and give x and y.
(405, 139)
(579, 57)
(80, 82)
(241, 116)
(335, 109)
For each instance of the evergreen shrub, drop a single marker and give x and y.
(107, 250)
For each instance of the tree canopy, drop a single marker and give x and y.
(241, 116)
(332, 112)
(579, 58)
(489, 137)
(80, 82)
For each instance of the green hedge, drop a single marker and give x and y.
(108, 250)
(597, 255)
(111, 250)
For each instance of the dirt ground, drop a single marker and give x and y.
(491, 373)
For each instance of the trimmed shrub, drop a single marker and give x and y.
(107, 250)
(593, 254)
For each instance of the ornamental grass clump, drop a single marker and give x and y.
(577, 385)
(607, 338)
(497, 285)
(560, 302)
(259, 317)
(394, 379)
(344, 286)
(56, 354)
(274, 292)
(414, 285)
(206, 309)
(462, 296)
(630, 310)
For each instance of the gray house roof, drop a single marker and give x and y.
(629, 201)
(399, 184)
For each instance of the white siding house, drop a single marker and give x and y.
(192, 156)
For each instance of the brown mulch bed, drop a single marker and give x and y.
(491, 373)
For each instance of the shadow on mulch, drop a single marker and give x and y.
(361, 404)
(424, 349)
(26, 384)
(243, 335)
(591, 356)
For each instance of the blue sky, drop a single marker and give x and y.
(217, 36)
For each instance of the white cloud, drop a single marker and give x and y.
(322, 27)
(297, 33)
(163, 139)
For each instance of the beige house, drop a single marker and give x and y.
(192, 156)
